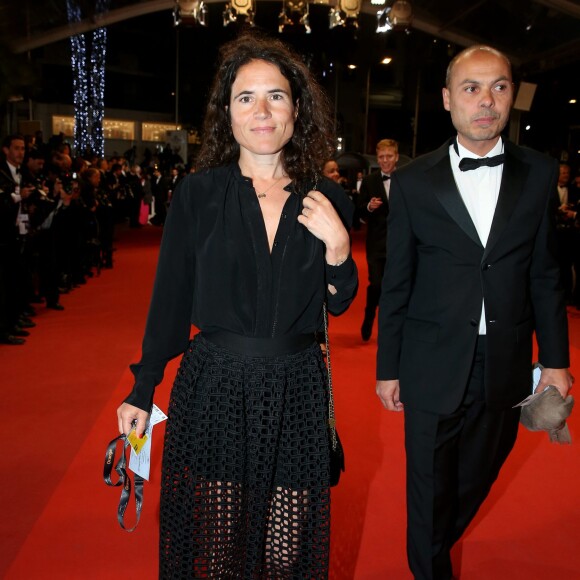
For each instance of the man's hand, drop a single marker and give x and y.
(374, 203)
(26, 190)
(559, 378)
(388, 393)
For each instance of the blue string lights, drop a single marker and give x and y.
(88, 83)
(97, 95)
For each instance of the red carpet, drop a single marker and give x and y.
(60, 392)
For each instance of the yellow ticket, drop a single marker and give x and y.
(136, 443)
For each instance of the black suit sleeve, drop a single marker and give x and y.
(397, 284)
(365, 195)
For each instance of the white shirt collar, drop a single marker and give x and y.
(13, 168)
(464, 152)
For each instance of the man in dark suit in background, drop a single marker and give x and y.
(13, 229)
(568, 235)
(373, 204)
(160, 190)
(471, 273)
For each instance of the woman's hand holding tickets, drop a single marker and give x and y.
(126, 414)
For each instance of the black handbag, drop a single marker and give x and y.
(334, 445)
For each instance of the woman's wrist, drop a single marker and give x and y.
(337, 256)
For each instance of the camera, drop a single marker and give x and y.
(68, 180)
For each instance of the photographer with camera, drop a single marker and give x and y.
(14, 287)
(39, 249)
(100, 200)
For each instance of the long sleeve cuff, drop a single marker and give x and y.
(345, 279)
(146, 379)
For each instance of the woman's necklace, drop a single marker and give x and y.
(263, 194)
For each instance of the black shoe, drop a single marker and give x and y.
(19, 331)
(10, 339)
(367, 328)
(25, 322)
(55, 306)
(29, 311)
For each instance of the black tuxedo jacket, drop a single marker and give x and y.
(574, 195)
(8, 207)
(372, 186)
(438, 272)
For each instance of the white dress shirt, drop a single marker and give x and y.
(479, 189)
(386, 184)
(563, 194)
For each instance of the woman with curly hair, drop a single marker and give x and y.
(254, 244)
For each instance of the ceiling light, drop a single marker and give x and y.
(189, 12)
(240, 9)
(345, 13)
(294, 15)
(383, 22)
(386, 60)
(351, 66)
(401, 14)
(398, 15)
(572, 101)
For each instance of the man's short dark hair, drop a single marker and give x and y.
(14, 137)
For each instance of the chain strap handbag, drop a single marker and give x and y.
(335, 446)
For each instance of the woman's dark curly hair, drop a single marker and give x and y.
(312, 142)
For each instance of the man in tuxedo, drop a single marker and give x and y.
(373, 204)
(160, 190)
(13, 229)
(471, 274)
(568, 234)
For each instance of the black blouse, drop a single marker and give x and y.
(215, 271)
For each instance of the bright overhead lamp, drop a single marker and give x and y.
(242, 10)
(345, 13)
(396, 16)
(189, 12)
(294, 16)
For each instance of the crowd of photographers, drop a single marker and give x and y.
(57, 221)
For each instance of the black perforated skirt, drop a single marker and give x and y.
(245, 467)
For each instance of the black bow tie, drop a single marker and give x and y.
(386, 177)
(468, 163)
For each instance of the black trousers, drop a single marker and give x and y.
(376, 267)
(452, 462)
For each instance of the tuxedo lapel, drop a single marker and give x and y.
(5, 171)
(445, 188)
(513, 179)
